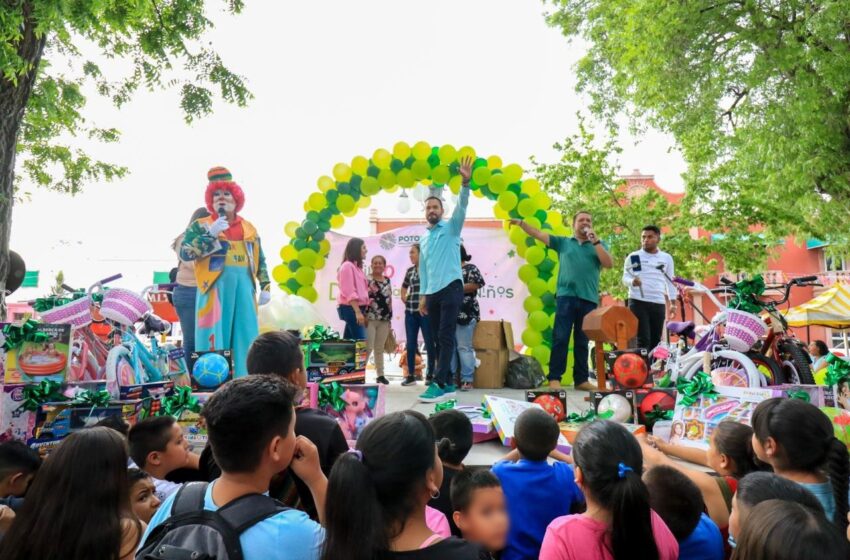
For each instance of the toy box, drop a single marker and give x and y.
(15, 421)
(840, 419)
(354, 407)
(648, 399)
(552, 401)
(194, 430)
(618, 406)
(504, 413)
(482, 425)
(34, 362)
(310, 396)
(211, 369)
(692, 425)
(58, 420)
(154, 390)
(818, 395)
(343, 361)
(629, 369)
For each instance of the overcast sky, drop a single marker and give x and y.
(332, 79)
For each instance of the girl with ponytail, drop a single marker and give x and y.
(798, 441)
(618, 523)
(377, 495)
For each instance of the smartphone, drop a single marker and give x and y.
(635, 260)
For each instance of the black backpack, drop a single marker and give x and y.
(194, 533)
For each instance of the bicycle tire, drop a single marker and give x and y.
(753, 374)
(113, 362)
(778, 376)
(800, 361)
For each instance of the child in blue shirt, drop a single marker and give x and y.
(251, 426)
(536, 492)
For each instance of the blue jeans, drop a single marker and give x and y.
(352, 331)
(413, 323)
(443, 308)
(569, 316)
(465, 352)
(183, 299)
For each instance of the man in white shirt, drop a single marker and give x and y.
(651, 295)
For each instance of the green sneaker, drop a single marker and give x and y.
(450, 391)
(432, 394)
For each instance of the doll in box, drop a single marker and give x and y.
(354, 416)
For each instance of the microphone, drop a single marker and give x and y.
(221, 212)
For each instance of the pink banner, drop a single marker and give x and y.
(491, 250)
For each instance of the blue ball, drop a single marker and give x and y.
(211, 370)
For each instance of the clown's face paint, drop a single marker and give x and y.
(223, 198)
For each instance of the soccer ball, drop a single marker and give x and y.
(618, 405)
(663, 400)
(553, 406)
(630, 371)
(211, 370)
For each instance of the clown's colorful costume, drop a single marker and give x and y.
(227, 268)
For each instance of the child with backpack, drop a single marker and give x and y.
(251, 427)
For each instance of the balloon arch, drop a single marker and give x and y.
(352, 186)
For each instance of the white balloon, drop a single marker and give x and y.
(420, 193)
(404, 204)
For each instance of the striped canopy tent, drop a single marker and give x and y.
(830, 309)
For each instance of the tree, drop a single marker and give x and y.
(585, 178)
(42, 83)
(755, 93)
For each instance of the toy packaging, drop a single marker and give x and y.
(15, 421)
(310, 397)
(504, 413)
(212, 369)
(58, 420)
(840, 419)
(692, 425)
(552, 401)
(354, 406)
(153, 390)
(629, 369)
(34, 362)
(482, 425)
(618, 406)
(648, 399)
(194, 430)
(818, 395)
(343, 361)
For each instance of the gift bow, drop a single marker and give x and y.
(747, 294)
(93, 399)
(838, 370)
(657, 414)
(15, 335)
(798, 394)
(330, 394)
(179, 402)
(447, 405)
(52, 301)
(321, 333)
(589, 416)
(699, 386)
(45, 392)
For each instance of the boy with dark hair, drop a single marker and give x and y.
(678, 501)
(143, 498)
(251, 426)
(279, 353)
(528, 481)
(18, 465)
(453, 432)
(157, 446)
(116, 423)
(479, 508)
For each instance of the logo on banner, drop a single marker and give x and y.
(387, 241)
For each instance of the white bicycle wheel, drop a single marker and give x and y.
(119, 367)
(729, 364)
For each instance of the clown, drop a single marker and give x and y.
(229, 262)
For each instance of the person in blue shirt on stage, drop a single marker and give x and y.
(441, 289)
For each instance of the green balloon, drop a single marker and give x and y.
(305, 275)
(313, 216)
(548, 300)
(536, 287)
(300, 233)
(542, 354)
(309, 227)
(308, 257)
(294, 265)
(370, 186)
(527, 273)
(480, 162)
(293, 285)
(531, 338)
(433, 160)
(507, 200)
(396, 165)
(343, 188)
(319, 234)
(355, 181)
(314, 245)
(420, 170)
(325, 215)
(324, 226)
(546, 266)
(373, 171)
(538, 320)
(345, 203)
(332, 195)
(535, 256)
(532, 304)
(541, 215)
(300, 244)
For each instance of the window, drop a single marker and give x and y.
(835, 264)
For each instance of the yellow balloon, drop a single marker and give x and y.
(500, 212)
(553, 218)
(324, 247)
(405, 178)
(382, 158)
(466, 152)
(517, 236)
(289, 229)
(386, 178)
(513, 173)
(337, 221)
(401, 150)
(526, 208)
(498, 183)
(360, 165)
(345, 203)
(351, 213)
(530, 186)
(342, 172)
(535, 256)
(320, 262)
(289, 253)
(281, 273)
(307, 207)
(533, 222)
(441, 175)
(507, 200)
(307, 257)
(325, 183)
(542, 200)
(392, 188)
(364, 202)
(494, 162)
(421, 150)
(521, 249)
(370, 186)
(481, 176)
(317, 202)
(448, 154)
(309, 293)
(478, 193)
(420, 170)
(455, 184)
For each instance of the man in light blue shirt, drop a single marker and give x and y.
(441, 283)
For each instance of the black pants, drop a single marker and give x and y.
(650, 322)
(443, 309)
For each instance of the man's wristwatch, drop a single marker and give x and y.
(597, 242)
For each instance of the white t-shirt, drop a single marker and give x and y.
(655, 284)
(162, 488)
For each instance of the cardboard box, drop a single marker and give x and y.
(553, 401)
(214, 376)
(505, 413)
(648, 399)
(818, 395)
(492, 369)
(35, 362)
(570, 430)
(363, 403)
(840, 419)
(620, 405)
(482, 428)
(493, 335)
(15, 422)
(631, 371)
(343, 361)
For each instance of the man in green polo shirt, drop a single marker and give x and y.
(580, 257)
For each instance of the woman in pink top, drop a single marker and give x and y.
(618, 523)
(353, 295)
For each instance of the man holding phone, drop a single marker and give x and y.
(580, 257)
(652, 297)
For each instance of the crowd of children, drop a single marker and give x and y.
(279, 481)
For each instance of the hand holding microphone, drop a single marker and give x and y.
(221, 224)
(590, 234)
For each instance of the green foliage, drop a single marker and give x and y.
(585, 178)
(756, 94)
(160, 45)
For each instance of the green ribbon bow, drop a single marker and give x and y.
(589, 416)
(16, 335)
(180, 401)
(330, 394)
(447, 405)
(747, 293)
(321, 333)
(799, 394)
(52, 301)
(45, 392)
(94, 399)
(665, 381)
(699, 386)
(657, 414)
(838, 370)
